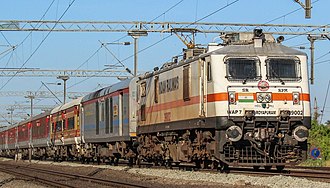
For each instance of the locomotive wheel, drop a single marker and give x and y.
(280, 168)
(267, 168)
(103, 159)
(168, 164)
(256, 167)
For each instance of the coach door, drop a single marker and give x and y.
(120, 113)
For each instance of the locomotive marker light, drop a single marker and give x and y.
(232, 97)
(295, 98)
(234, 133)
(300, 133)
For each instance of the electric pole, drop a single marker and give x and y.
(64, 78)
(312, 39)
(135, 35)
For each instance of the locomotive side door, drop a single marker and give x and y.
(202, 87)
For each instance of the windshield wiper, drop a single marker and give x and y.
(248, 76)
(245, 79)
(276, 76)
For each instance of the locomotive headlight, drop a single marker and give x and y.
(264, 97)
(268, 97)
(232, 97)
(296, 98)
(260, 98)
(300, 133)
(234, 133)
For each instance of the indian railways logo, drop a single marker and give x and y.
(263, 85)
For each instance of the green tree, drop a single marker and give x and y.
(320, 137)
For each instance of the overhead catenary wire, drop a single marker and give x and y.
(166, 11)
(291, 12)
(38, 45)
(173, 6)
(325, 101)
(161, 40)
(27, 36)
(321, 62)
(214, 12)
(322, 56)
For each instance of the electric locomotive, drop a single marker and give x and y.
(242, 103)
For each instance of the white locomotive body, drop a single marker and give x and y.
(239, 104)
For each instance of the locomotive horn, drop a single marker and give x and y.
(280, 39)
(257, 33)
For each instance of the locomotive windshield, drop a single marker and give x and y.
(242, 69)
(283, 69)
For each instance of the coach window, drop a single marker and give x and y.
(186, 83)
(70, 123)
(143, 89)
(242, 69)
(283, 69)
(143, 112)
(58, 126)
(209, 72)
(156, 88)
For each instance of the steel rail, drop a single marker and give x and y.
(77, 176)
(22, 175)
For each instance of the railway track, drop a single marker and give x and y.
(322, 174)
(313, 173)
(62, 179)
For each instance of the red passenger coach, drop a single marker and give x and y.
(65, 129)
(23, 134)
(2, 142)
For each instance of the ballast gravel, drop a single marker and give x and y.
(198, 179)
(9, 181)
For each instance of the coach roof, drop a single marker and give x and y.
(107, 90)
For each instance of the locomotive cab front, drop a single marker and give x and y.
(265, 117)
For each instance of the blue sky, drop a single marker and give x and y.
(69, 50)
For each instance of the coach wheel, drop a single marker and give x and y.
(116, 161)
(138, 161)
(267, 168)
(214, 165)
(280, 168)
(224, 167)
(130, 161)
(98, 159)
(82, 159)
(203, 164)
(256, 167)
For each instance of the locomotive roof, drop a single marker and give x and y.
(107, 90)
(268, 49)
